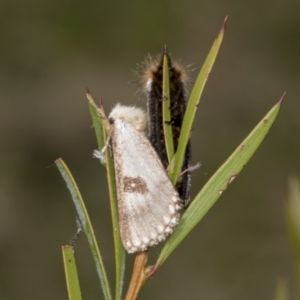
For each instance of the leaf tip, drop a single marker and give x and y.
(281, 99)
(223, 28)
(101, 106)
(87, 91)
(224, 24)
(151, 270)
(89, 95)
(165, 52)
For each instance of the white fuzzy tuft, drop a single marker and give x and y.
(148, 85)
(130, 114)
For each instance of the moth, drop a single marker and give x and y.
(148, 203)
(152, 80)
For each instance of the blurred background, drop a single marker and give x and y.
(52, 50)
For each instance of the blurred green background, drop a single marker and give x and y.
(51, 50)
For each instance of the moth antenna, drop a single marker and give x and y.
(108, 139)
(99, 109)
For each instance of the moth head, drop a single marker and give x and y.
(129, 114)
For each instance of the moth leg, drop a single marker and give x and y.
(100, 154)
(190, 169)
(75, 238)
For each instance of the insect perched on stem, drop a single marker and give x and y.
(148, 203)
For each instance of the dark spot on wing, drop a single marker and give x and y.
(135, 185)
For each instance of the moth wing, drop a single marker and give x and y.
(148, 202)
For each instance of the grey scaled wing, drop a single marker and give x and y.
(148, 202)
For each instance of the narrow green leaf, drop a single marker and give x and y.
(293, 221)
(193, 103)
(119, 249)
(97, 123)
(166, 108)
(281, 292)
(86, 224)
(218, 183)
(71, 273)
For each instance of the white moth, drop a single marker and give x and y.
(148, 202)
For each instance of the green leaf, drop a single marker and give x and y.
(119, 249)
(86, 224)
(219, 182)
(71, 273)
(281, 292)
(193, 103)
(293, 220)
(166, 108)
(97, 123)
